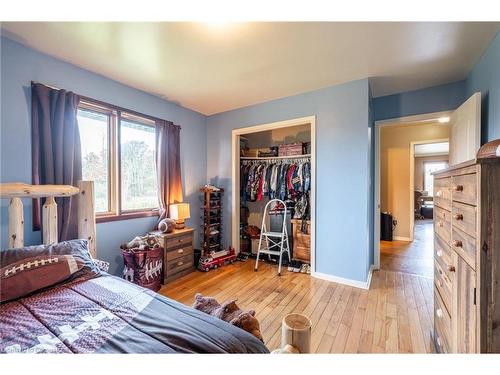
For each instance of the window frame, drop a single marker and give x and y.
(115, 114)
(424, 169)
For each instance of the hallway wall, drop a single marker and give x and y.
(395, 168)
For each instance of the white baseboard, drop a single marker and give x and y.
(401, 238)
(350, 282)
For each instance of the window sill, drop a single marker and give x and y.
(126, 216)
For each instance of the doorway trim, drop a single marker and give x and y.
(235, 176)
(376, 207)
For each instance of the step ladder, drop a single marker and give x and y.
(273, 243)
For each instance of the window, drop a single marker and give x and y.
(138, 166)
(94, 138)
(118, 154)
(429, 168)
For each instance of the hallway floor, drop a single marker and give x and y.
(410, 257)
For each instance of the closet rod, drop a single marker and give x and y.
(275, 157)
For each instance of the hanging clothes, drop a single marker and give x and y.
(286, 179)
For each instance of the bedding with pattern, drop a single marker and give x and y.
(94, 312)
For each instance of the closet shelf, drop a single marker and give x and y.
(275, 157)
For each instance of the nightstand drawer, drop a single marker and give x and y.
(179, 264)
(178, 253)
(179, 241)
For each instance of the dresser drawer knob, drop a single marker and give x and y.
(439, 313)
(458, 217)
(180, 251)
(439, 253)
(439, 193)
(457, 243)
(451, 268)
(180, 263)
(458, 188)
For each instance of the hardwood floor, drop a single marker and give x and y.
(410, 257)
(394, 316)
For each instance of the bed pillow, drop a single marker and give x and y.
(28, 269)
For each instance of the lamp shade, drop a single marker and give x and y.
(179, 211)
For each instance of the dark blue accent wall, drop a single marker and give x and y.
(485, 77)
(432, 99)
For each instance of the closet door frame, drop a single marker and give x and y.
(235, 174)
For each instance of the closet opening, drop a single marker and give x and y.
(275, 161)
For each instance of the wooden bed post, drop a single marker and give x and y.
(16, 223)
(86, 214)
(49, 221)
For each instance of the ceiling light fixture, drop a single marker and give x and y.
(444, 120)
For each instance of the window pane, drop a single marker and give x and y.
(429, 178)
(94, 139)
(138, 167)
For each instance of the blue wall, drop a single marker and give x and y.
(343, 159)
(432, 99)
(485, 77)
(21, 65)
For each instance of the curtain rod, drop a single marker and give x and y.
(105, 104)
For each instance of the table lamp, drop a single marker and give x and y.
(179, 212)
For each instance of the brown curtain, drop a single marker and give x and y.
(168, 165)
(56, 152)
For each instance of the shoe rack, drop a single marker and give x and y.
(212, 219)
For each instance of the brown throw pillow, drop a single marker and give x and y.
(28, 269)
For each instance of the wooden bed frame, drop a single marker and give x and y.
(86, 213)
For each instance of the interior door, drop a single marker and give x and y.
(465, 130)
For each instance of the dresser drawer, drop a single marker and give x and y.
(464, 218)
(177, 253)
(442, 323)
(442, 250)
(443, 280)
(179, 241)
(442, 192)
(464, 245)
(464, 188)
(179, 264)
(442, 223)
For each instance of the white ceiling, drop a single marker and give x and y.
(214, 68)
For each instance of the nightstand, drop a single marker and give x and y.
(178, 254)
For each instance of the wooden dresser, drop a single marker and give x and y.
(467, 258)
(178, 255)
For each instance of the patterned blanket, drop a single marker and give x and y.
(110, 315)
